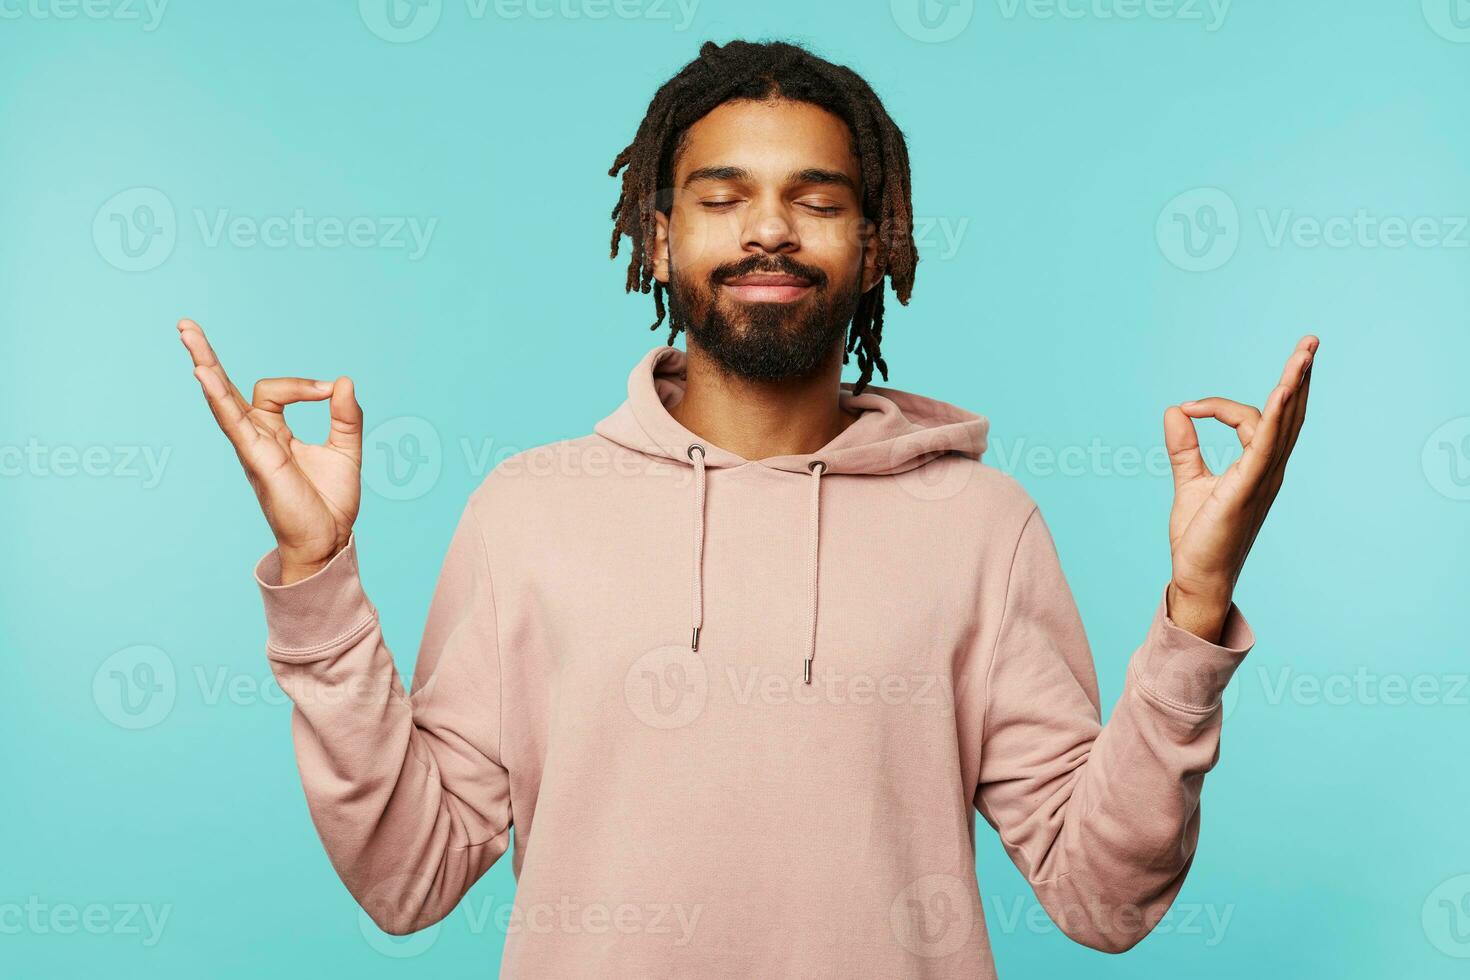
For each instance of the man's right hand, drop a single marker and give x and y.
(309, 493)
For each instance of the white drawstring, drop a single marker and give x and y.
(816, 467)
(698, 616)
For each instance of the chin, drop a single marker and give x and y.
(746, 313)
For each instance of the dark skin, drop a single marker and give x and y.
(767, 178)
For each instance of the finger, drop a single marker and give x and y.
(1296, 416)
(1308, 346)
(1291, 375)
(1240, 417)
(270, 396)
(346, 432)
(1182, 443)
(274, 394)
(192, 336)
(1257, 459)
(1299, 406)
(1263, 456)
(233, 421)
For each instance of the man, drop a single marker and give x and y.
(741, 665)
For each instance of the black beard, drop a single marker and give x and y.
(780, 341)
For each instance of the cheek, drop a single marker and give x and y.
(699, 241)
(836, 246)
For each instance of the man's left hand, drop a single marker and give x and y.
(1216, 517)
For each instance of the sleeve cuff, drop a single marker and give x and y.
(318, 612)
(1186, 671)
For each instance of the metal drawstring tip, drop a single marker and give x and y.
(806, 671)
(694, 640)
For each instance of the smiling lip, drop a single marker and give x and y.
(767, 287)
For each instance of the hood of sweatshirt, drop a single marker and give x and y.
(896, 431)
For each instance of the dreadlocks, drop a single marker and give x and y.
(760, 71)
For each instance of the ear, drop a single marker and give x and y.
(658, 251)
(872, 276)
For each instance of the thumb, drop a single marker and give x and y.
(1182, 442)
(346, 433)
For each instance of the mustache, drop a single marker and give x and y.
(783, 265)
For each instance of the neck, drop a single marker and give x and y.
(759, 419)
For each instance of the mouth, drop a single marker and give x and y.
(767, 287)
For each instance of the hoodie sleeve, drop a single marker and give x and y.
(409, 793)
(1101, 819)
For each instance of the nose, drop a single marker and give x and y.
(768, 228)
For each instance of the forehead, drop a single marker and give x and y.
(770, 139)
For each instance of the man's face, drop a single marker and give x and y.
(766, 251)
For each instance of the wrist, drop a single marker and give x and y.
(1201, 612)
(298, 563)
(295, 567)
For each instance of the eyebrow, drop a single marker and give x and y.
(811, 175)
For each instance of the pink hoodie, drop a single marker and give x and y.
(742, 713)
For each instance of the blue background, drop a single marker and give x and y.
(1055, 295)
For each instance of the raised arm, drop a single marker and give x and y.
(409, 793)
(1103, 819)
